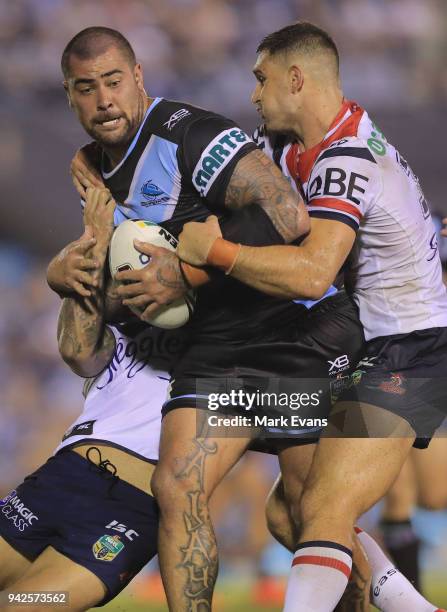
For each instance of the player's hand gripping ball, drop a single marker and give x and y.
(124, 256)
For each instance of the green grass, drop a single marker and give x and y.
(235, 597)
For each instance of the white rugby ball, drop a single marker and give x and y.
(124, 256)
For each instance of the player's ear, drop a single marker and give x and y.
(65, 85)
(138, 72)
(296, 79)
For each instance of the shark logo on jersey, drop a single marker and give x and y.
(153, 194)
(216, 157)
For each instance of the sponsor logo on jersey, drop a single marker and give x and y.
(216, 157)
(152, 348)
(15, 511)
(175, 118)
(107, 547)
(338, 365)
(152, 194)
(130, 534)
(81, 429)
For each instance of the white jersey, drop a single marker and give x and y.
(355, 176)
(123, 403)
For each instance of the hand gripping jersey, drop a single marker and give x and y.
(356, 177)
(123, 403)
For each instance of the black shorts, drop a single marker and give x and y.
(406, 374)
(93, 518)
(322, 343)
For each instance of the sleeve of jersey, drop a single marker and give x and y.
(212, 146)
(342, 185)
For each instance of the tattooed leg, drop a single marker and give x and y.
(357, 594)
(191, 465)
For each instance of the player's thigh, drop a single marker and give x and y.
(12, 564)
(52, 571)
(349, 475)
(194, 454)
(430, 466)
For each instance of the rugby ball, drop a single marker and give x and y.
(124, 256)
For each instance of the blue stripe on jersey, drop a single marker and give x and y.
(132, 145)
(310, 303)
(156, 184)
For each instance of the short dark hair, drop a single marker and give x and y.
(299, 36)
(93, 41)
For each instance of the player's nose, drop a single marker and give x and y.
(103, 100)
(255, 95)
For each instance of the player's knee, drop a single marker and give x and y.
(321, 503)
(172, 490)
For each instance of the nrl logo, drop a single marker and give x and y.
(107, 547)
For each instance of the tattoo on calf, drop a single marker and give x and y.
(356, 595)
(199, 555)
(256, 180)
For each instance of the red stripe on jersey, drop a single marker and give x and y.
(337, 205)
(292, 163)
(307, 159)
(357, 529)
(324, 561)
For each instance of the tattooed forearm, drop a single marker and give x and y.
(256, 180)
(199, 555)
(85, 343)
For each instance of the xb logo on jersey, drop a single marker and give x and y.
(175, 118)
(152, 194)
(339, 365)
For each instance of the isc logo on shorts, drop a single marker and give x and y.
(216, 156)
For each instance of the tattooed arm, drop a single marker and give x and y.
(257, 180)
(85, 343)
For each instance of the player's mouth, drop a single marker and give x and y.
(110, 124)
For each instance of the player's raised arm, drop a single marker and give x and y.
(85, 343)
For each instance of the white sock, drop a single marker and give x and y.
(390, 590)
(318, 578)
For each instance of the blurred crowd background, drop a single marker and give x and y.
(393, 62)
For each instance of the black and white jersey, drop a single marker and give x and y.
(355, 176)
(177, 169)
(178, 165)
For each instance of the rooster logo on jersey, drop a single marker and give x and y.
(152, 194)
